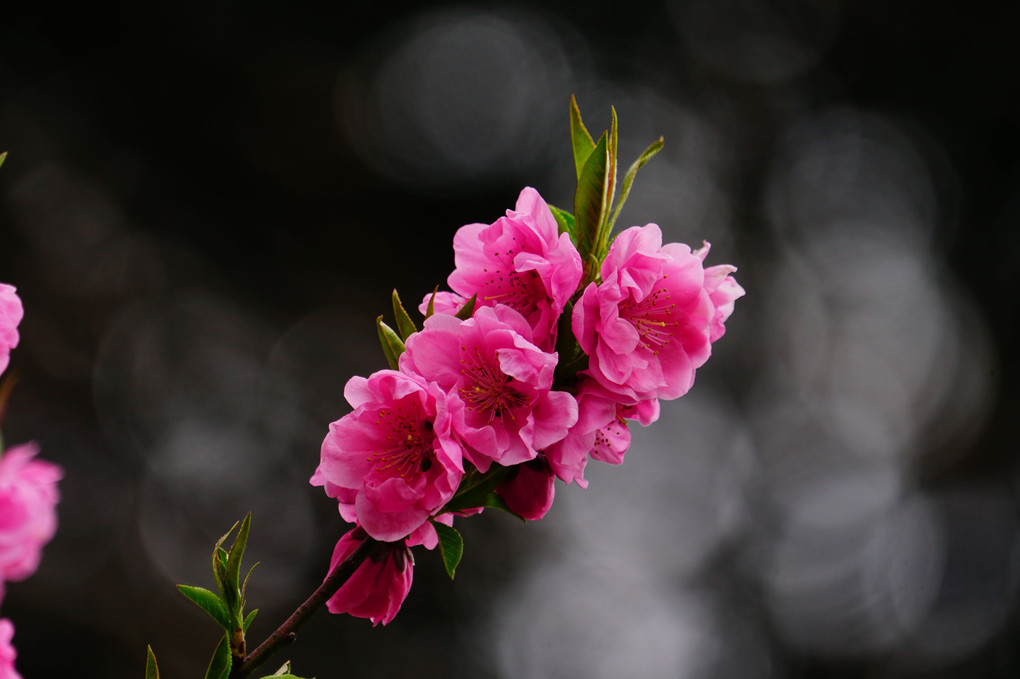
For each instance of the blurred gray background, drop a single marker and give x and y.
(206, 205)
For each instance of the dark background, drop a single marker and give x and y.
(205, 205)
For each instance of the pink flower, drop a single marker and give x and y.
(649, 325)
(377, 589)
(28, 517)
(393, 461)
(601, 431)
(722, 289)
(7, 652)
(11, 313)
(520, 260)
(498, 384)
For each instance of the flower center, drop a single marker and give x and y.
(519, 290)
(407, 444)
(652, 317)
(486, 389)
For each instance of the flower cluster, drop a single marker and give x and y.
(28, 493)
(525, 370)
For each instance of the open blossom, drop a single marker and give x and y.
(498, 384)
(392, 462)
(28, 516)
(377, 588)
(601, 431)
(520, 260)
(11, 312)
(650, 323)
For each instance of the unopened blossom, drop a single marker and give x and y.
(377, 588)
(648, 325)
(393, 461)
(520, 260)
(529, 490)
(28, 516)
(11, 313)
(7, 652)
(498, 384)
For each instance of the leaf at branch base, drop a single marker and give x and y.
(465, 311)
(405, 326)
(580, 140)
(565, 222)
(392, 345)
(151, 669)
(451, 547)
(628, 179)
(208, 602)
(219, 665)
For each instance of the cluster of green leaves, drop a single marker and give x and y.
(226, 606)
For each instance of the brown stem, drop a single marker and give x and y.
(286, 633)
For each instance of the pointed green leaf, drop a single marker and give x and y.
(208, 602)
(219, 665)
(431, 309)
(589, 200)
(249, 619)
(580, 140)
(564, 220)
(391, 343)
(608, 191)
(3, 157)
(219, 560)
(405, 325)
(628, 179)
(465, 311)
(493, 501)
(151, 669)
(244, 585)
(232, 576)
(451, 546)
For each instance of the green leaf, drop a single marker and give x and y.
(3, 157)
(589, 202)
(232, 597)
(431, 309)
(210, 603)
(580, 140)
(451, 546)
(628, 179)
(493, 501)
(475, 487)
(249, 619)
(391, 343)
(565, 221)
(282, 673)
(151, 669)
(244, 585)
(465, 311)
(404, 323)
(219, 665)
(608, 191)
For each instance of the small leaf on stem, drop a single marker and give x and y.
(248, 620)
(451, 546)
(628, 179)
(580, 140)
(405, 326)
(565, 222)
(431, 309)
(392, 345)
(210, 603)
(219, 665)
(151, 669)
(465, 311)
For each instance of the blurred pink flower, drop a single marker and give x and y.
(377, 589)
(28, 516)
(520, 260)
(7, 652)
(392, 462)
(649, 325)
(498, 384)
(11, 313)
